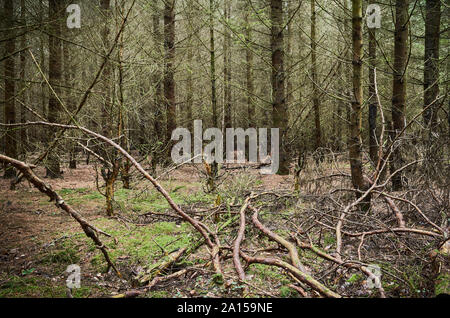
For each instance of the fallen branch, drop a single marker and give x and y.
(90, 231)
(293, 253)
(347, 264)
(160, 279)
(239, 238)
(304, 277)
(205, 233)
(159, 267)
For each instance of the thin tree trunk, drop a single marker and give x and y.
(190, 91)
(399, 85)
(106, 76)
(373, 146)
(43, 87)
(355, 115)
(169, 81)
(10, 87)
(123, 114)
(289, 58)
(249, 69)
(316, 102)
(431, 69)
(69, 78)
(227, 68)
(157, 105)
(23, 65)
(56, 17)
(279, 109)
(213, 170)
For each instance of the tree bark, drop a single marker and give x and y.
(22, 89)
(249, 68)
(227, 68)
(10, 138)
(69, 79)
(279, 109)
(169, 81)
(316, 102)
(431, 69)
(373, 146)
(213, 169)
(158, 107)
(357, 99)
(56, 17)
(399, 85)
(106, 76)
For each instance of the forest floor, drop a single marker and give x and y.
(39, 241)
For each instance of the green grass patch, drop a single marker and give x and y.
(37, 287)
(145, 245)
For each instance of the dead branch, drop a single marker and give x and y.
(293, 253)
(304, 277)
(239, 238)
(339, 261)
(300, 290)
(159, 267)
(90, 231)
(213, 247)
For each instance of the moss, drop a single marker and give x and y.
(287, 292)
(38, 287)
(328, 239)
(30, 287)
(65, 191)
(265, 271)
(65, 253)
(67, 256)
(442, 284)
(144, 244)
(355, 278)
(218, 279)
(159, 294)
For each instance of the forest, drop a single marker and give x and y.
(224, 149)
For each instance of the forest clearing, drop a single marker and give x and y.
(224, 149)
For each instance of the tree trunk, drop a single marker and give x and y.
(249, 69)
(431, 69)
(289, 57)
(279, 111)
(316, 102)
(213, 170)
(357, 98)
(106, 76)
(22, 88)
(69, 78)
(158, 108)
(10, 87)
(169, 81)
(399, 85)
(190, 91)
(123, 114)
(56, 16)
(373, 104)
(227, 68)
